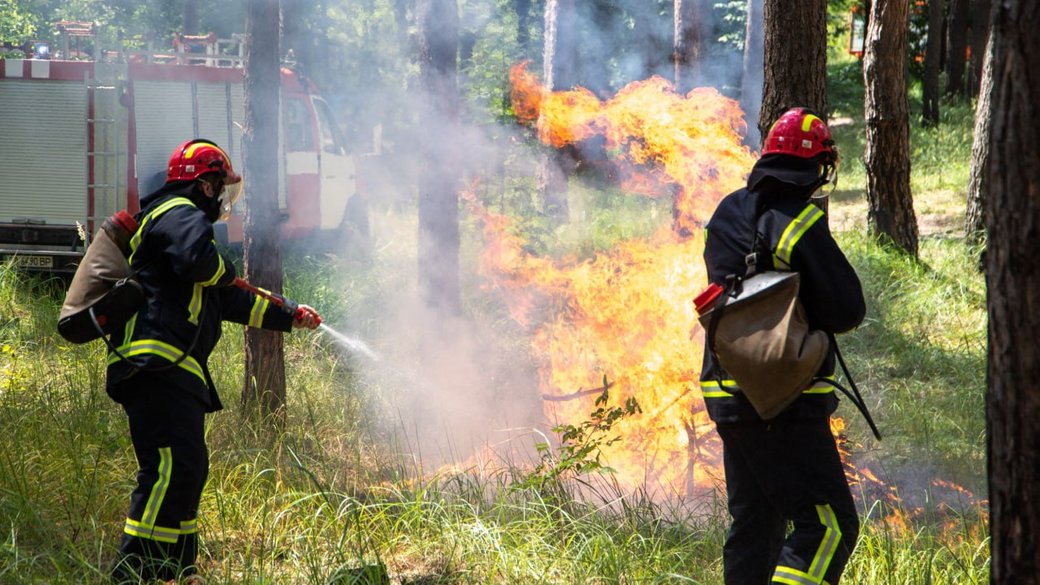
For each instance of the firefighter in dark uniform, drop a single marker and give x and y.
(160, 375)
(785, 470)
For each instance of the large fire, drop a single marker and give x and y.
(626, 314)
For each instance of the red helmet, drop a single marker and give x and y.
(197, 157)
(800, 132)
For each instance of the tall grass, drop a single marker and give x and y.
(331, 498)
(334, 498)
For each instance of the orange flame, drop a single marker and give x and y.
(659, 140)
(627, 314)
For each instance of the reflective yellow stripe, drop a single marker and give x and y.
(159, 533)
(155, 499)
(829, 545)
(794, 232)
(792, 576)
(161, 349)
(256, 315)
(190, 151)
(195, 305)
(155, 213)
(821, 387)
(710, 388)
(807, 122)
(190, 526)
(129, 332)
(221, 269)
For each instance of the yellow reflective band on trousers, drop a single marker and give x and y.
(711, 389)
(146, 528)
(824, 553)
(152, 215)
(794, 232)
(161, 349)
(256, 314)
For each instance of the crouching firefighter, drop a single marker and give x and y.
(785, 470)
(158, 370)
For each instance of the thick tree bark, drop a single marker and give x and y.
(932, 63)
(264, 390)
(981, 10)
(795, 57)
(1013, 282)
(890, 208)
(691, 30)
(751, 73)
(957, 47)
(978, 186)
(438, 191)
(795, 61)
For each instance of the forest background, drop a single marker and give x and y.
(372, 478)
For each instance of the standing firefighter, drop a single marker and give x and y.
(160, 375)
(785, 469)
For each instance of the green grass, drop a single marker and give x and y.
(338, 491)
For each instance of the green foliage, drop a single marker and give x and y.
(16, 25)
(581, 445)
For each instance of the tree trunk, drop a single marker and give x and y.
(957, 47)
(438, 253)
(978, 186)
(932, 64)
(795, 56)
(690, 38)
(1013, 281)
(751, 74)
(979, 41)
(264, 391)
(890, 210)
(560, 61)
(795, 61)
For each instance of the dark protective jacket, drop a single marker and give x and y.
(794, 232)
(187, 294)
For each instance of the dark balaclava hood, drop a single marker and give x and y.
(786, 173)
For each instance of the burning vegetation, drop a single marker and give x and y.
(625, 315)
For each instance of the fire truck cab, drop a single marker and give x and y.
(84, 139)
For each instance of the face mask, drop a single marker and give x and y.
(211, 206)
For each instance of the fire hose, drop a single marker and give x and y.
(299, 313)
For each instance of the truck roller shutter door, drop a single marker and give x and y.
(43, 157)
(164, 118)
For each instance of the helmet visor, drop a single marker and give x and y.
(228, 197)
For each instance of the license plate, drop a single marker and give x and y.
(31, 261)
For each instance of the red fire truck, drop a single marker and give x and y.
(84, 139)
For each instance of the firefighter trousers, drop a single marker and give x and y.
(160, 535)
(782, 473)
